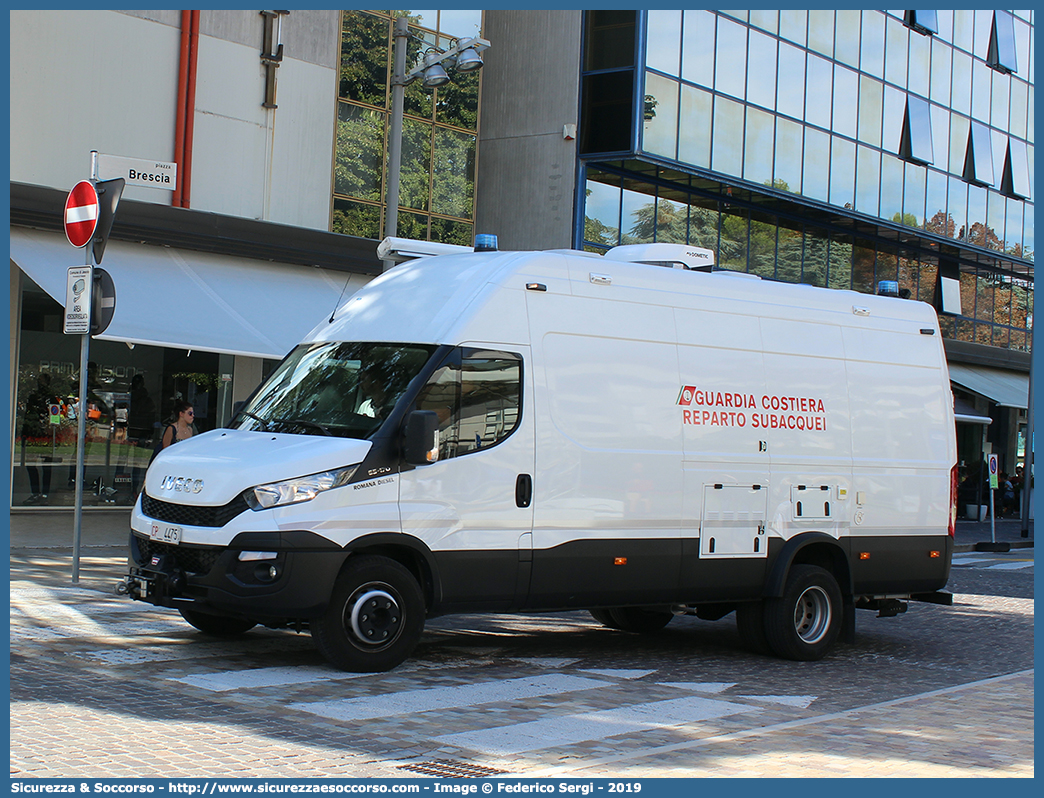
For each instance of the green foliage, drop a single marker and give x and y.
(453, 182)
(598, 233)
(360, 152)
(357, 219)
(456, 102)
(450, 231)
(364, 58)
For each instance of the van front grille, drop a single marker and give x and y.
(192, 515)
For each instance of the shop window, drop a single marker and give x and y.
(1001, 54)
(477, 397)
(978, 162)
(924, 22)
(1015, 180)
(130, 394)
(916, 142)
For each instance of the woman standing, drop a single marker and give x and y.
(181, 429)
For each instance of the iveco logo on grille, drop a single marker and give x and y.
(182, 484)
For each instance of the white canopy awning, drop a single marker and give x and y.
(194, 300)
(1005, 388)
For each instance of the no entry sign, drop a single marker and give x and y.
(81, 213)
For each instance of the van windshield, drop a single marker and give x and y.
(340, 389)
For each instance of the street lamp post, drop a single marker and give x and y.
(398, 92)
(464, 56)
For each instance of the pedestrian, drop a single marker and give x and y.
(1007, 493)
(34, 428)
(180, 428)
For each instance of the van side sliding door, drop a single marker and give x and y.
(607, 501)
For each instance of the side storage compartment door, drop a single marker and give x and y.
(733, 522)
(473, 507)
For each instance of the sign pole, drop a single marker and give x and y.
(994, 483)
(81, 415)
(81, 438)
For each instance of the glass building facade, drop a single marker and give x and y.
(835, 148)
(439, 140)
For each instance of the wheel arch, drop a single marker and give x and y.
(810, 548)
(410, 552)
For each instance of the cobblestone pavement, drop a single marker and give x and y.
(105, 687)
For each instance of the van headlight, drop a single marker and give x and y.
(300, 489)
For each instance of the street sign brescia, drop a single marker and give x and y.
(81, 213)
(78, 293)
(148, 174)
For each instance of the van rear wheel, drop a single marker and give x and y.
(804, 623)
(375, 616)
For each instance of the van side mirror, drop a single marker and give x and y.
(422, 437)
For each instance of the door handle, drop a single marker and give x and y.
(523, 490)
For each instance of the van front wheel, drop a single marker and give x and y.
(375, 617)
(804, 622)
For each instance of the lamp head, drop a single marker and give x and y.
(469, 60)
(434, 74)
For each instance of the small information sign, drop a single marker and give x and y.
(78, 301)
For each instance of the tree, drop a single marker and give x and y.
(941, 224)
(364, 58)
(360, 152)
(601, 234)
(984, 236)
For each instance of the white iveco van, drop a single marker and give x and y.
(633, 434)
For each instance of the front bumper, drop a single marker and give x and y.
(295, 585)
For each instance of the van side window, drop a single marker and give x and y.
(477, 396)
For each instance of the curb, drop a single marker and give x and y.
(1018, 544)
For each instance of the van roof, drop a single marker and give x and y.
(466, 296)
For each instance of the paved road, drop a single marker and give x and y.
(105, 687)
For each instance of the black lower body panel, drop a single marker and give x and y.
(212, 579)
